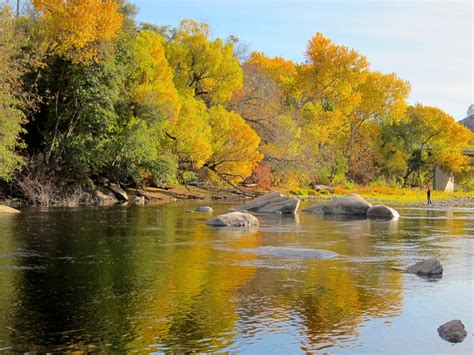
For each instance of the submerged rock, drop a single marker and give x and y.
(118, 192)
(292, 252)
(271, 203)
(452, 331)
(234, 219)
(351, 204)
(204, 209)
(139, 200)
(382, 211)
(8, 209)
(428, 267)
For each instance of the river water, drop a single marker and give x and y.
(156, 278)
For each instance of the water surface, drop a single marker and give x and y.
(156, 278)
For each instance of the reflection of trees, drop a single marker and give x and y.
(122, 279)
(126, 278)
(7, 273)
(194, 304)
(330, 298)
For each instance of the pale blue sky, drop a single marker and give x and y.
(428, 43)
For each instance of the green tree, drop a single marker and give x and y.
(11, 100)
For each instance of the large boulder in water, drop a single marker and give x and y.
(351, 204)
(428, 267)
(317, 209)
(271, 203)
(7, 209)
(234, 219)
(382, 211)
(452, 331)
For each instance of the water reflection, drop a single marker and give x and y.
(157, 278)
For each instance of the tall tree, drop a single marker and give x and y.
(203, 67)
(11, 100)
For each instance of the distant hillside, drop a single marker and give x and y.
(469, 120)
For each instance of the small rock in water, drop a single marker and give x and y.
(204, 209)
(234, 219)
(139, 200)
(452, 331)
(382, 211)
(428, 267)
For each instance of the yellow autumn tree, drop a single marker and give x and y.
(192, 133)
(76, 29)
(203, 67)
(152, 76)
(438, 134)
(278, 68)
(234, 145)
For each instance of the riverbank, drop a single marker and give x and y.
(212, 193)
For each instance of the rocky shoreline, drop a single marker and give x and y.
(113, 194)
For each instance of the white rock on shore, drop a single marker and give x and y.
(8, 209)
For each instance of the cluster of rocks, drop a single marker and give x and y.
(354, 205)
(452, 331)
(112, 194)
(270, 203)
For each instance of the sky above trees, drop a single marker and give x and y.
(428, 43)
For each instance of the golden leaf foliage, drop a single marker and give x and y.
(203, 67)
(153, 75)
(234, 145)
(440, 133)
(192, 132)
(75, 29)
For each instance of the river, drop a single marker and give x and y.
(156, 278)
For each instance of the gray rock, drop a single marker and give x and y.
(139, 200)
(290, 252)
(8, 209)
(351, 204)
(204, 209)
(382, 211)
(317, 209)
(452, 331)
(271, 203)
(234, 219)
(428, 267)
(118, 192)
(106, 198)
